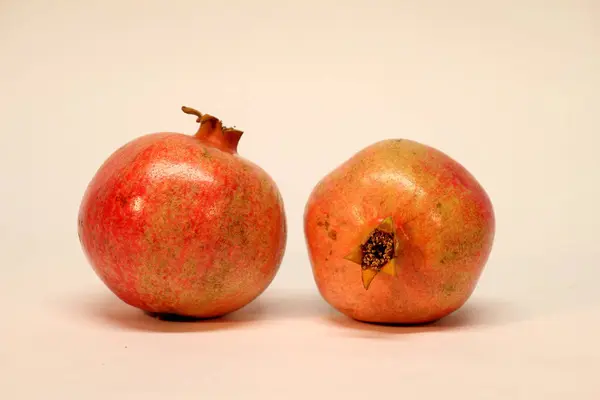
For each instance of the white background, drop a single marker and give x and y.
(508, 88)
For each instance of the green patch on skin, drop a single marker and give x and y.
(449, 288)
(456, 284)
(460, 236)
(218, 283)
(450, 256)
(151, 285)
(189, 270)
(205, 153)
(417, 169)
(236, 232)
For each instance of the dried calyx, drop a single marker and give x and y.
(213, 132)
(376, 253)
(378, 250)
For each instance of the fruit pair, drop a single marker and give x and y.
(181, 224)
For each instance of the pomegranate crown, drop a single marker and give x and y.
(213, 133)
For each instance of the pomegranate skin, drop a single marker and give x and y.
(444, 227)
(182, 225)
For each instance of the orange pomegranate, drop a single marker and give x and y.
(399, 233)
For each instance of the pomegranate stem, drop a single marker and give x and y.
(192, 111)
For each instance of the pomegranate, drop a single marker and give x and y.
(181, 225)
(399, 233)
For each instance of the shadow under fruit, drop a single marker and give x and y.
(182, 225)
(399, 233)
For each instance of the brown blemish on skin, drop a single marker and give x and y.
(332, 234)
(122, 200)
(324, 223)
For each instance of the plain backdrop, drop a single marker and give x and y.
(508, 88)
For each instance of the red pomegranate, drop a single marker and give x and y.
(181, 225)
(399, 233)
